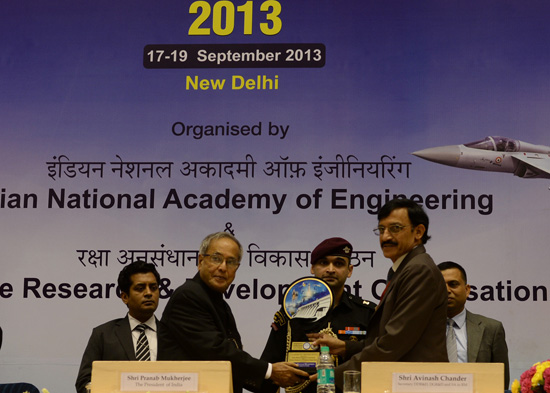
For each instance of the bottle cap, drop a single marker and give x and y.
(325, 349)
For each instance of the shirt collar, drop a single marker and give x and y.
(151, 323)
(397, 263)
(460, 318)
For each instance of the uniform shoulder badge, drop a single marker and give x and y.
(363, 303)
(279, 320)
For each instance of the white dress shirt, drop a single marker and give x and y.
(461, 336)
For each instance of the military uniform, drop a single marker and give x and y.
(347, 321)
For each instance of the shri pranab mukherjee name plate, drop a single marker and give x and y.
(159, 382)
(432, 383)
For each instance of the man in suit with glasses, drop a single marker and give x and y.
(197, 323)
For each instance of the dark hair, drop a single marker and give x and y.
(453, 265)
(125, 275)
(417, 215)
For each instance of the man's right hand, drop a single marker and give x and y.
(337, 346)
(287, 374)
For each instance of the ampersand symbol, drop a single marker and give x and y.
(228, 227)
(164, 288)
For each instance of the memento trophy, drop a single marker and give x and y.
(306, 302)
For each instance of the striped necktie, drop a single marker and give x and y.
(451, 342)
(142, 349)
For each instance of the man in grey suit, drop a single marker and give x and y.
(478, 339)
(409, 322)
(118, 339)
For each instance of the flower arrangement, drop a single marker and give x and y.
(535, 379)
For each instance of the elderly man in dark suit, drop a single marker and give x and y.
(477, 339)
(409, 322)
(133, 337)
(197, 323)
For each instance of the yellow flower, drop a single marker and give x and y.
(516, 386)
(537, 377)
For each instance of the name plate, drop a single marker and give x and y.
(306, 361)
(159, 382)
(432, 383)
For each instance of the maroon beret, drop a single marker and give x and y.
(335, 246)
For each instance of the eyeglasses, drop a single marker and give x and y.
(394, 229)
(217, 259)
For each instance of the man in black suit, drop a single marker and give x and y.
(478, 339)
(118, 339)
(197, 323)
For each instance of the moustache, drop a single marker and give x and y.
(389, 243)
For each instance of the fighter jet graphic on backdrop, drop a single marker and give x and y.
(494, 154)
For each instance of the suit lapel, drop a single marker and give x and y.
(227, 325)
(474, 330)
(124, 335)
(414, 252)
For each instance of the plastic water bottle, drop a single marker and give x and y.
(325, 372)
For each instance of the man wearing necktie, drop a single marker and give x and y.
(471, 337)
(133, 337)
(409, 322)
